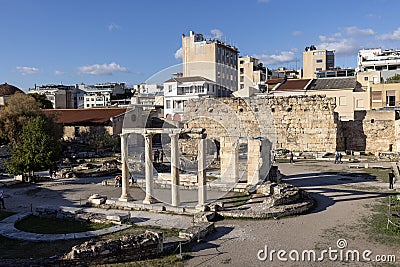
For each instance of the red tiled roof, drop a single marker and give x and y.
(298, 84)
(274, 81)
(84, 116)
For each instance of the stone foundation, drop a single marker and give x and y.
(126, 248)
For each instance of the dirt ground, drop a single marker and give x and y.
(340, 214)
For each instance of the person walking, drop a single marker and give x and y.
(2, 198)
(161, 156)
(391, 179)
(156, 155)
(291, 161)
(118, 180)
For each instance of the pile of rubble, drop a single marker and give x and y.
(278, 200)
(126, 248)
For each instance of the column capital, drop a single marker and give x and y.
(203, 136)
(148, 135)
(173, 135)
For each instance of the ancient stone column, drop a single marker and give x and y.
(148, 168)
(253, 161)
(201, 173)
(175, 201)
(229, 156)
(125, 196)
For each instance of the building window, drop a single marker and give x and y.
(168, 104)
(319, 60)
(360, 103)
(365, 78)
(377, 96)
(318, 69)
(390, 98)
(169, 88)
(241, 79)
(241, 70)
(342, 101)
(241, 86)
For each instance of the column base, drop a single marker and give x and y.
(175, 204)
(125, 198)
(149, 200)
(200, 207)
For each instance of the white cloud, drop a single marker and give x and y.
(282, 57)
(353, 30)
(57, 72)
(113, 26)
(178, 53)
(394, 36)
(104, 69)
(296, 33)
(342, 46)
(217, 33)
(27, 70)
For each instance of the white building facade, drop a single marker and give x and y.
(384, 63)
(179, 90)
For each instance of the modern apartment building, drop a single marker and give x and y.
(148, 96)
(387, 62)
(252, 73)
(179, 90)
(317, 60)
(61, 96)
(210, 58)
(100, 95)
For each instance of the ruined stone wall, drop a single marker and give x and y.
(70, 132)
(298, 123)
(372, 131)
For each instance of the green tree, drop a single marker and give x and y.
(36, 150)
(42, 101)
(393, 79)
(18, 109)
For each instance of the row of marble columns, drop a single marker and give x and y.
(175, 196)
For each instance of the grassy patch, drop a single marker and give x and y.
(5, 214)
(378, 223)
(380, 174)
(166, 261)
(16, 249)
(167, 232)
(38, 225)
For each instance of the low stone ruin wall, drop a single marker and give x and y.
(197, 231)
(126, 248)
(77, 214)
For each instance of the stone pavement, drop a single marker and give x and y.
(7, 229)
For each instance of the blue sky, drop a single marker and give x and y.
(83, 41)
